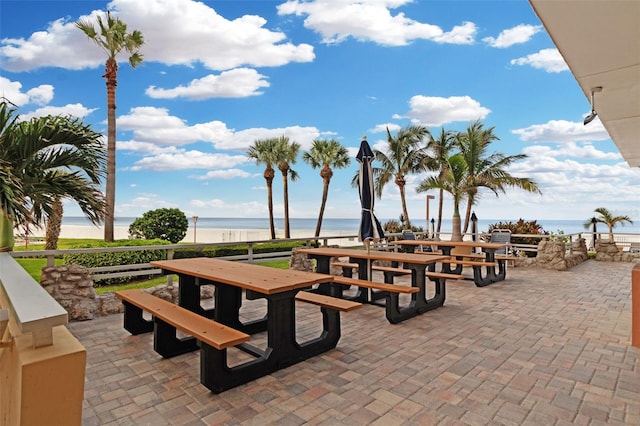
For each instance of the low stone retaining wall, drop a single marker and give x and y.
(608, 251)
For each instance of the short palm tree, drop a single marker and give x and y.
(286, 154)
(112, 37)
(43, 160)
(454, 181)
(326, 154)
(439, 150)
(608, 219)
(264, 152)
(487, 170)
(404, 155)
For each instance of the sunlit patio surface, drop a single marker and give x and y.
(541, 348)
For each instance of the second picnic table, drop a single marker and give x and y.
(416, 263)
(489, 262)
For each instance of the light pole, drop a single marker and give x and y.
(195, 227)
(429, 197)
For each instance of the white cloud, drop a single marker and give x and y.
(337, 20)
(519, 34)
(236, 83)
(382, 128)
(176, 32)
(12, 91)
(74, 110)
(187, 160)
(549, 60)
(562, 131)
(436, 111)
(224, 174)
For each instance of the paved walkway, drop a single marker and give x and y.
(541, 348)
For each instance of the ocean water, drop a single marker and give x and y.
(342, 225)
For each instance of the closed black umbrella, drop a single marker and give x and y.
(370, 229)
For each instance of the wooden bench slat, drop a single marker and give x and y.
(402, 271)
(375, 285)
(208, 331)
(444, 275)
(345, 265)
(327, 301)
(469, 262)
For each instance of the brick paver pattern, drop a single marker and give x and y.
(540, 348)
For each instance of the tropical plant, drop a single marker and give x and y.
(112, 37)
(404, 155)
(487, 170)
(42, 160)
(453, 181)
(286, 154)
(326, 154)
(165, 224)
(522, 227)
(607, 217)
(263, 152)
(439, 149)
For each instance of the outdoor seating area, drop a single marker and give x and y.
(543, 347)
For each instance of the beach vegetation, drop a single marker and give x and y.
(263, 152)
(486, 170)
(607, 217)
(521, 227)
(117, 258)
(286, 154)
(440, 149)
(44, 159)
(404, 155)
(165, 224)
(112, 37)
(326, 155)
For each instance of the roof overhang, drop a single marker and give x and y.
(600, 42)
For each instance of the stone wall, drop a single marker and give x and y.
(552, 255)
(72, 287)
(608, 251)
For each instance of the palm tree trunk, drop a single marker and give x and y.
(325, 192)
(54, 223)
(440, 204)
(272, 226)
(111, 75)
(467, 216)
(456, 234)
(405, 213)
(285, 190)
(6, 233)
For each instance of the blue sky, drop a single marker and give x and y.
(219, 75)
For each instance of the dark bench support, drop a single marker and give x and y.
(394, 312)
(214, 338)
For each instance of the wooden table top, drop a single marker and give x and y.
(393, 256)
(262, 279)
(481, 244)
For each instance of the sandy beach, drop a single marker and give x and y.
(203, 235)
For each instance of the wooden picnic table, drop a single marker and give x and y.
(279, 287)
(417, 263)
(490, 261)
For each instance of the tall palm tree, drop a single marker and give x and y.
(54, 224)
(42, 160)
(286, 154)
(487, 170)
(112, 37)
(264, 152)
(454, 181)
(326, 154)
(404, 155)
(439, 150)
(609, 219)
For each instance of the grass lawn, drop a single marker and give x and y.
(34, 268)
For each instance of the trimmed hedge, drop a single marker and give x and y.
(234, 250)
(95, 260)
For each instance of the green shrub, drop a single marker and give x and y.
(95, 260)
(521, 227)
(239, 249)
(166, 224)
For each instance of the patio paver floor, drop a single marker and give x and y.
(542, 347)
